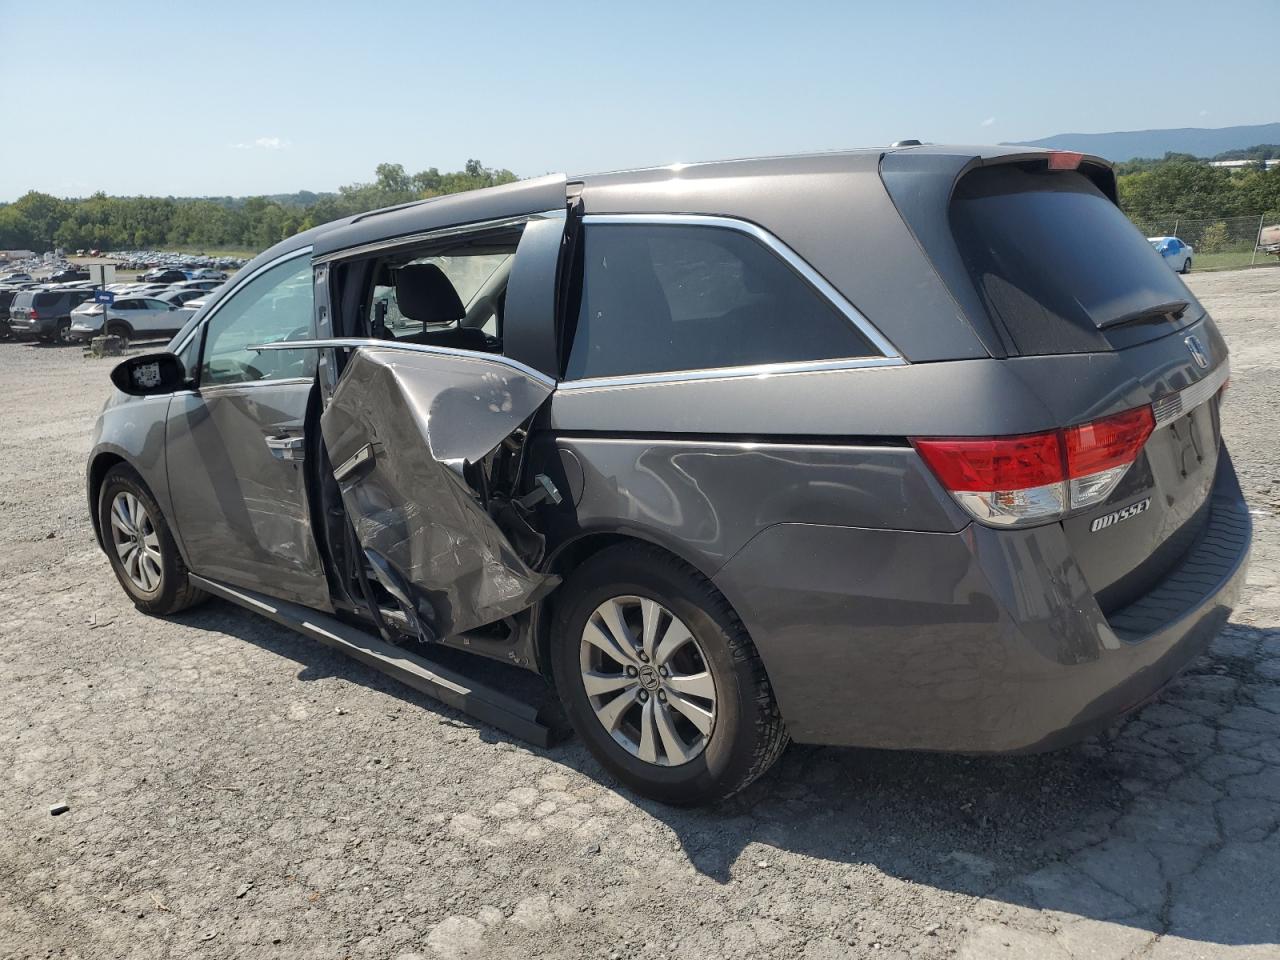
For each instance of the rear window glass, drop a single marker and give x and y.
(661, 298)
(1055, 261)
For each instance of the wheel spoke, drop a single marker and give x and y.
(606, 645)
(648, 731)
(611, 713)
(125, 548)
(694, 684)
(677, 636)
(152, 540)
(598, 684)
(611, 613)
(698, 716)
(671, 742)
(120, 515)
(135, 512)
(650, 617)
(153, 571)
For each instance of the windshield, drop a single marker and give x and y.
(1056, 262)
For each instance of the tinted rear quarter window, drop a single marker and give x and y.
(1054, 260)
(657, 298)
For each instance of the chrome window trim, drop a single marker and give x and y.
(233, 290)
(353, 343)
(758, 371)
(440, 233)
(1173, 405)
(887, 351)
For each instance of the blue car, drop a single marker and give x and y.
(1176, 253)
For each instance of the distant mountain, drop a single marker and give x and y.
(1128, 144)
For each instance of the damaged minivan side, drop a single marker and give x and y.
(914, 448)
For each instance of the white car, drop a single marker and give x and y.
(1176, 253)
(131, 317)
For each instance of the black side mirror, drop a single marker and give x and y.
(149, 374)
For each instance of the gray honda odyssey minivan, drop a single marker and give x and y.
(913, 448)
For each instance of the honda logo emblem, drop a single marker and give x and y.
(1197, 351)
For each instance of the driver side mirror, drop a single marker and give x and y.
(150, 374)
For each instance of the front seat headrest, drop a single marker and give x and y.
(425, 295)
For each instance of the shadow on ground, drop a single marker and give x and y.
(1169, 823)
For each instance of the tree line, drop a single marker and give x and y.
(1177, 185)
(40, 222)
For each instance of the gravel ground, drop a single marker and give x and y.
(236, 791)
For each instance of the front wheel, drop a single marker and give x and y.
(660, 678)
(1186, 266)
(140, 546)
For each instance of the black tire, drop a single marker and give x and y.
(1186, 266)
(118, 328)
(748, 734)
(62, 334)
(174, 591)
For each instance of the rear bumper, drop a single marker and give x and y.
(980, 641)
(33, 328)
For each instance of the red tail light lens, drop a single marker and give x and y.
(1109, 442)
(994, 463)
(1033, 478)
(1065, 160)
(33, 315)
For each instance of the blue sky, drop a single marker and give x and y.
(266, 97)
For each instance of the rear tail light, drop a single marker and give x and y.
(1037, 477)
(1065, 160)
(32, 315)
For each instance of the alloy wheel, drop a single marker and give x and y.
(647, 680)
(136, 541)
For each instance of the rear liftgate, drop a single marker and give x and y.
(427, 445)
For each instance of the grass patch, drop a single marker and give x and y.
(1231, 260)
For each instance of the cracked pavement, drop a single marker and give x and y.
(236, 791)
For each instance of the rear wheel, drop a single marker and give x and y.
(660, 678)
(140, 546)
(62, 335)
(119, 329)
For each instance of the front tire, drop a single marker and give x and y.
(660, 678)
(140, 546)
(1186, 266)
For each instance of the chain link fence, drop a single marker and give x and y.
(1224, 243)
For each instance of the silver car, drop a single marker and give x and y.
(131, 317)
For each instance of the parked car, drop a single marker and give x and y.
(827, 448)
(179, 296)
(6, 298)
(208, 273)
(202, 285)
(1269, 240)
(44, 314)
(15, 278)
(130, 317)
(1177, 255)
(68, 275)
(165, 276)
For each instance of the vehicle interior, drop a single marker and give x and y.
(448, 295)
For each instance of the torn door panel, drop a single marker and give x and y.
(403, 429)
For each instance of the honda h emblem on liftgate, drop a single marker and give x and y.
(1197, 351)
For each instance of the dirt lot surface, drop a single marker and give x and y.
(236, 791)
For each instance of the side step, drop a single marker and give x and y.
(447, 685)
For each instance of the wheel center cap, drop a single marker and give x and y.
(649, 678)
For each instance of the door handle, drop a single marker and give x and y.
(290, 449)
